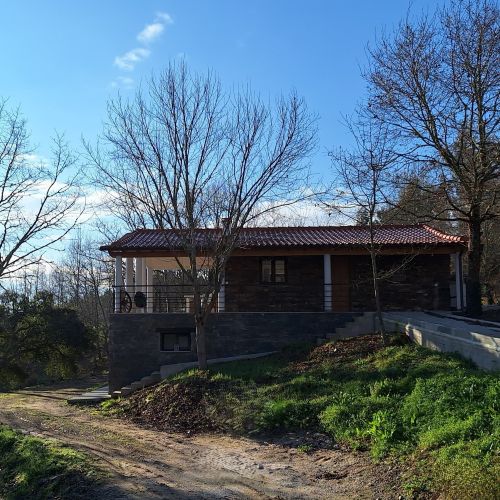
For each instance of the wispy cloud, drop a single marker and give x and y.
(164, 17)
(150, 32)
(124, 82)
(129, 60)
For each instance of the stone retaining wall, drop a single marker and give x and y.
(134, 339)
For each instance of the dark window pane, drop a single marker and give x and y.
(169, 340)
(183, 341)
(279, 270)
(266, 270)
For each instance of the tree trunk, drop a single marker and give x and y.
(376, 292)
(201, 344)
(474, 252)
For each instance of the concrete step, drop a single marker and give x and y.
(125, 391)
(150, 380)
(91, 397)
(167, 370)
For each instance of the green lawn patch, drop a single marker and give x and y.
(404, 403)
(38, 469)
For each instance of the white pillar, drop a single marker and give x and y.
(140, 278)
(327, 270)
(149, 290)
(459, 280)
(139, 274)
(129, 274)
(221, 299)
(118, 282)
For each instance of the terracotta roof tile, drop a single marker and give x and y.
(296, 237)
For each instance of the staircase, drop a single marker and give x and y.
(363, 324)
(168, 370)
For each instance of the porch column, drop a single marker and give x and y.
(221, 299)
(327, 270)
(149, 290)
(459, 280)
(139, 274)
(139, 278)
(129, 274)
(118, 282)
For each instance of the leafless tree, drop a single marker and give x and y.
(362, 187)
(39, 201)
(435, 82)
(88, 276)
(186, 155)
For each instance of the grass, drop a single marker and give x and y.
(38, 469)
(404, 403)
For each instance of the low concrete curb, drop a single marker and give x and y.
(169, 370)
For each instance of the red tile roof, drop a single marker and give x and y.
(291, 237)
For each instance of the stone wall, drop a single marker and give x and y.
(134, 339)
(423, 283)
(303, 290)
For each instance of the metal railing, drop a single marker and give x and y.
(261, 297)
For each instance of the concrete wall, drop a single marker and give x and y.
(134, 339)
(483, 350)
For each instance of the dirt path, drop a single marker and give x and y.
(145, 464)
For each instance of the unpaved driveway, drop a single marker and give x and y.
(149, 464)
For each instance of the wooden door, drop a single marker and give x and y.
(341, 286)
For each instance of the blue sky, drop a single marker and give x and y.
(62, 60)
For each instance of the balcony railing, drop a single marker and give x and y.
(263, 297)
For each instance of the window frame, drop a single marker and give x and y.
(184, 332)
(273, 271)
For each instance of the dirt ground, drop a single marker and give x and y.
(143, 464)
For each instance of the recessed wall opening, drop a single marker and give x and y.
(175, 340)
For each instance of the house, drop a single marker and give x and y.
(281, 285)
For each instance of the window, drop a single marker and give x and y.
(273, 270)
(175, 340)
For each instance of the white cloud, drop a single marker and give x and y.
(128, 60)
(150, 32)
(124, 82)
(164, 17)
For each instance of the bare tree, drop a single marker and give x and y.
(362, 188)
(88, 276)
(435, 82)
(38, 200)
(188, 156)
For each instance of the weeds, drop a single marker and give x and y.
(38, 469)
(436, 411)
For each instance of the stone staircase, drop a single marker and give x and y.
(168, 370)
(362, 324)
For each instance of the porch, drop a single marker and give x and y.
(289, 283)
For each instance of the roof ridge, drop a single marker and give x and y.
(438, 232)
(257, 228)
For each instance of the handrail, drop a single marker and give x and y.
(243, 297)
